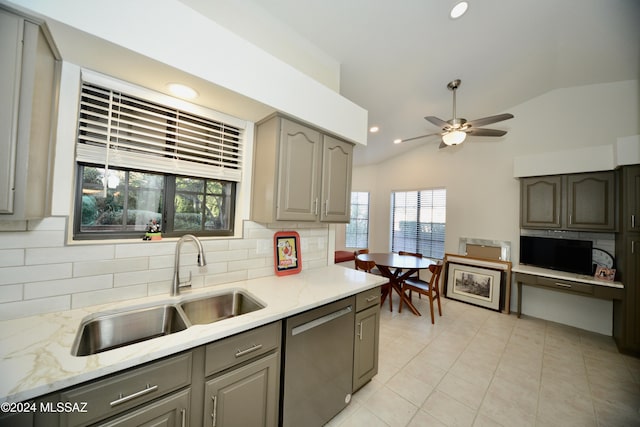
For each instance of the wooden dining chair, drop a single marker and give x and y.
(417, 273)
(375, 270)
(369, 267)
(431, 288)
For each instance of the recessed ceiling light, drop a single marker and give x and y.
(182, 91)
(374, 129)
(459, 9)
(397, 141)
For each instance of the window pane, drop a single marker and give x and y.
(419, 222)
(144, 200)
(128, 203)
(357, 231)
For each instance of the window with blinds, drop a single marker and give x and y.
(149, 163)
(419, 221)
(118, 129)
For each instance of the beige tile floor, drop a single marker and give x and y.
(476, 367)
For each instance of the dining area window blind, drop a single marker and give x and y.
(419, 221)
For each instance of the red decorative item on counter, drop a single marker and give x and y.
(288, 259)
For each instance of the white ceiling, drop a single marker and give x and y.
(397, 56)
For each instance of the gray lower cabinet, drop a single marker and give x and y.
(242, 375)
(170, 411)
(367, 333)
(246, 396)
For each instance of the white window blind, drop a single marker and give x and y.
(419, 222)
(119, 129)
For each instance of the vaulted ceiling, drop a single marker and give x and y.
(396, 57)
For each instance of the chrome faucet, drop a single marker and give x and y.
(175, 288)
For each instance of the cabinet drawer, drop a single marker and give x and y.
(228, 352)
(564, 285)
(367, 299)
(123, 391)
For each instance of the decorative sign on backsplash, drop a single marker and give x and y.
(288, 259)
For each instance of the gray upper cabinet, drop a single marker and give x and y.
(591, 201)
(300, 174)
(28, 91)
(540, 200)
(585, 201)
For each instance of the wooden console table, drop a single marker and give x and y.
(560, 281)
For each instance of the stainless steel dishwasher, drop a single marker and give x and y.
(318, 364)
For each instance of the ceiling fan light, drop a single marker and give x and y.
(454, 138)
(459, 9)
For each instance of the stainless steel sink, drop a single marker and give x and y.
(117, 329)
(114, 330)
(219, 307)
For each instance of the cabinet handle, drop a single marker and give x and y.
(563, 285)
(570, 219)
(633, 221)
(251, 349)
(360, 331)
(372, 298)
(326, 207)
(315, 207)
(633, 246)
(183, 417)
(123, 399)
(214, 414)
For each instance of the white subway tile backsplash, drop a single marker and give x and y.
(139, 277)
(92, 268)
(68, 254)
(86, 299)
(51, 223)
(11, 257)
(35, 273)
(67, 286)
(16, 310)
(32, 239)
(9, 293)
(39, 273)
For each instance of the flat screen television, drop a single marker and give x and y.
(569, 255)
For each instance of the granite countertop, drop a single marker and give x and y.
(563, 275)
(35, 352)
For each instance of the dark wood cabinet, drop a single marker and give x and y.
(583, 202)
(626, 313)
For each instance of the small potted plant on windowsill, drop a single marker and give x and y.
(153, 231)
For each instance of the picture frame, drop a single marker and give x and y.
(479, 281)
(604, 273)
(287, 256)
(474, 285)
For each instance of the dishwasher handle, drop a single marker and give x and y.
(320, 321)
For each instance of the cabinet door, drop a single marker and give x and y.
(337, 160)
(591, 201)
(246, 396)
(626, 313)
(299, 174)
(171, 411)
(631, 198)
(365, 351)
(11, 50)
(540, 202)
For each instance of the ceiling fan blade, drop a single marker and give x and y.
(420, 137)
(491, 119)
(438, 122)
(442, 145)
(485, 132)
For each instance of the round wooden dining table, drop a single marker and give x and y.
(396, 268)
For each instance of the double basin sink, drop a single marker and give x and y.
(109, 330)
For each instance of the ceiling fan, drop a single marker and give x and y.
(455, 131)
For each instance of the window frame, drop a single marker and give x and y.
(168, 210)
(416, 238)
(351, 219)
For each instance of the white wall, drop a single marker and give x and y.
(482, 193)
